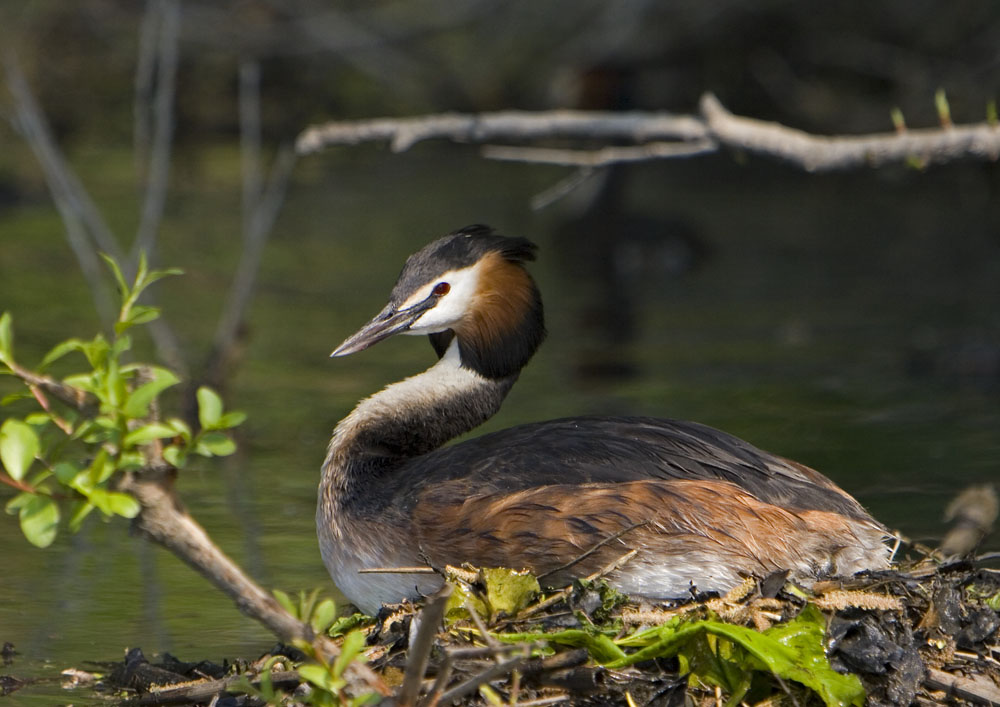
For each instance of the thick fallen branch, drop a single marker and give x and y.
(663, 136)
(166, 523)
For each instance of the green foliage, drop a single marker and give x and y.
(496, 591)
(320, 615)
(326, 678)
(730, 657)
(63, 454)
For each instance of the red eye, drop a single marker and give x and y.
(441, 289)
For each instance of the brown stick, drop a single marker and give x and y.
(420, 649)
(205, 690)
(74, 397)
(975, 689)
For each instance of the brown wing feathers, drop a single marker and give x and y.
(545, 526)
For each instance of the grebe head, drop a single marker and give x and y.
(470, 286)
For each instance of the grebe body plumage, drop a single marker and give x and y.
(702, 507)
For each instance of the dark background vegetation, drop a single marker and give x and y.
(848, 320)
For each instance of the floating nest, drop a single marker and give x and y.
(923, 634)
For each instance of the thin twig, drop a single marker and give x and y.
(601, 157)
(61, 423)
(562, 188)
(562, 594)
(592, 550)
(397, 570)
(15, 484)
(74, 397)
(497, 671)
(491, 643)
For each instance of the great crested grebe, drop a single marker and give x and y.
(703, 508)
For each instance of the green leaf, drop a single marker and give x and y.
(600, 646)
(60, 350)
(792, 651)
(40, 520)
(215, 444)
(180, 427)
(96, 351)
(18, 447)
(6, 338)
(345, 624)
(81, 509)
(38, 419)
(155, 275)
(123, 288)
(147, 433)
(174, 456)
(21, 499)
(142, 314)
(353, 644)
(231, 419)
(123, 504)
(209, 408)
(65, 472)
(14, 397)
(82, 381)
(101, 468)
(286, 602)
(113, 503)
(323, 616)
(137, 405)
(320, 677)
(508, 591)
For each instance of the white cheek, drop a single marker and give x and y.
(451, 307)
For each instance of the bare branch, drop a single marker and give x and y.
(664, 135)
(403, 133)
(163, 129)
(249, 117)
(145, 73)
(262, 218)
(818, 153)
(80, 217)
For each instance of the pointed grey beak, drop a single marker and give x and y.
(386, 323)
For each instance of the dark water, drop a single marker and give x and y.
(851, 322)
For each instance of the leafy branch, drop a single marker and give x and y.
(96, 440)
(76, 457)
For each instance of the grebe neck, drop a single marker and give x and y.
(409, 418)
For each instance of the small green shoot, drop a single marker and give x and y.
(943, 109)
